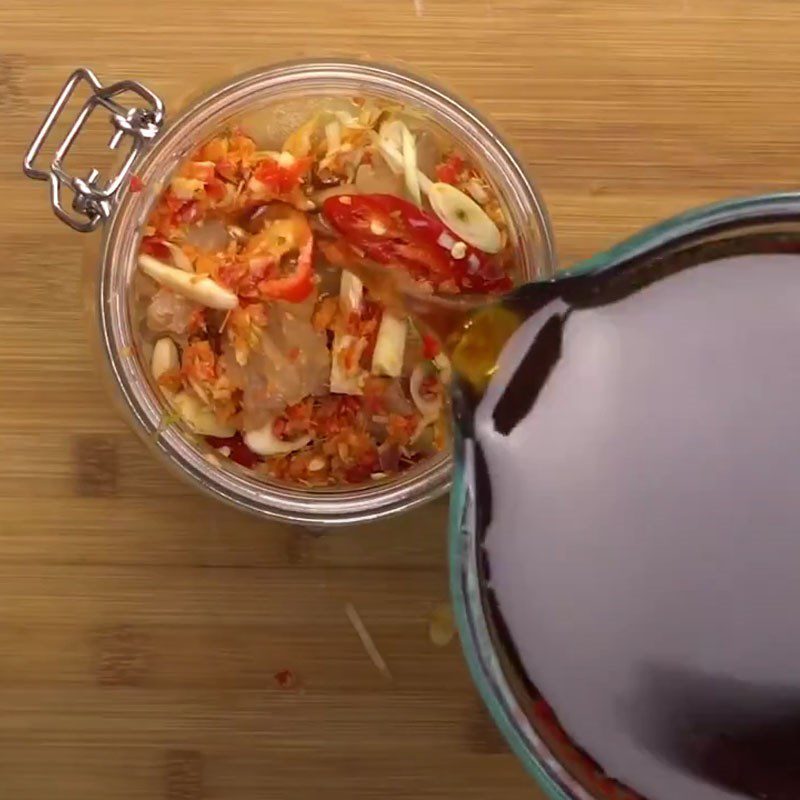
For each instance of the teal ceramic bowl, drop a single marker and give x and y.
(755, 224)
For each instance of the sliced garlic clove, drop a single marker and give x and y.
(342, 380)
(442, 363)
(165, 357)
(387, 358)
(351, 292)
(179, 258)
(477, 191)
(430, 409)
(199, 288)
(264, 442)
(465, 217)
(199, 417)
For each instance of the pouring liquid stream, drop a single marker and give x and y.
(472, 329)
(623, 421)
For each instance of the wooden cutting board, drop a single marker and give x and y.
(141, 625)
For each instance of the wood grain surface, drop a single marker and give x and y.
(141, 626)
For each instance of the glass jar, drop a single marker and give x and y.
(156, 149)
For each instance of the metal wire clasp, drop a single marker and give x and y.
(92, 199)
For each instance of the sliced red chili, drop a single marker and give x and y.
(197, 321)
(449, 171)
(393, 231)
(281, 179)
(156, 247)
(137, 184)
(297, 286)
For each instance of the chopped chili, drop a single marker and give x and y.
(292, 369)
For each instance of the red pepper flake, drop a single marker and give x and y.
(137, 184)
(286, 679)
(215, 190)
(449, 171)
(197, 321)
(226, 170)
(240, 453)
(430, 346)
(188, 212)
(279, 427)
(359, 473)
(280, 179)
(155, 246)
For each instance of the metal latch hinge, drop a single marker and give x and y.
(92, 199)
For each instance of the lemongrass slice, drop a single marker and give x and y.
(394, 158)
(410, 165)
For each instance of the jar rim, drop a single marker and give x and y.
(335, 507)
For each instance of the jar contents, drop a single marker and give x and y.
(633, 467)
(286, 364)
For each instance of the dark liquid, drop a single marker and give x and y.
(636, 472)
